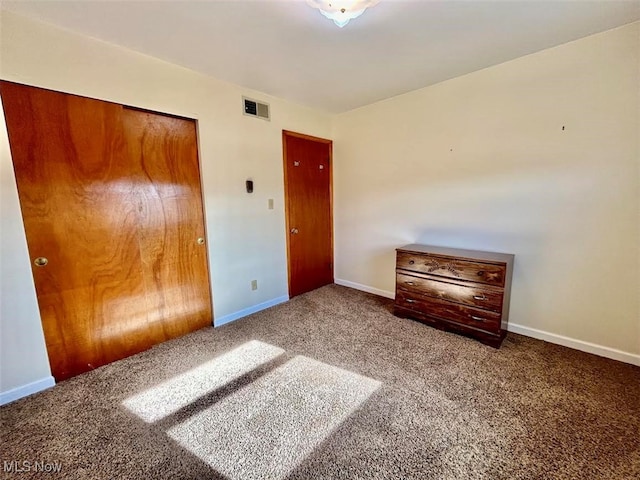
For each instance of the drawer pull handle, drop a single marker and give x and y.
(411, 262)
(409, 283)
(478, 319)
(408, 300)
(481, 273)
(479, 297)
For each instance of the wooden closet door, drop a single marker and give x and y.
(78, 194)
(171, 221)
(85, 205)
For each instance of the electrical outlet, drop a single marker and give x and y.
(254, 284)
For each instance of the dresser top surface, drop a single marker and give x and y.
(458, 252)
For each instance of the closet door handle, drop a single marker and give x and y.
(40, 261)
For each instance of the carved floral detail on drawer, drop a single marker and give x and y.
(434, 265)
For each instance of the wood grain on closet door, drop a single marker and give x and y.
(171, 221)
(79, 196)
(111, 202)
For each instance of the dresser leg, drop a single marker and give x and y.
(494, 342)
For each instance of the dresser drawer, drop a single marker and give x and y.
(474, 295)
(454, 268)
(473, 317)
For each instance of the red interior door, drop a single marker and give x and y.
(307, 171)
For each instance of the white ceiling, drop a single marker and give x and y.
(287, 49)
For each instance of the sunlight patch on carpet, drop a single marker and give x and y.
(267, 428)
(168, 397)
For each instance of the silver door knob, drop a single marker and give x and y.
(200, 241)
(294, 231)
(40, 262)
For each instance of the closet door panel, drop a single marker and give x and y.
(111, 198)
(171, 220)
(77, 192)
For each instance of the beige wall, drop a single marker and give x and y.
(482, 162)
(246, 240)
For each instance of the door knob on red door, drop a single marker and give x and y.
(294, 231)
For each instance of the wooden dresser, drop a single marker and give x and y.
(464, 291)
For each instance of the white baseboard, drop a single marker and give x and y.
(365, 288)
(583, 346)
(26, 390)
(218, 322)
(599, 350)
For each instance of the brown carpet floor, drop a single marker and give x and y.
(411, 402)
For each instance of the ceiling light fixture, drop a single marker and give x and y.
(341, 11)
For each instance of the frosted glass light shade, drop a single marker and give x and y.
(341, 11)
